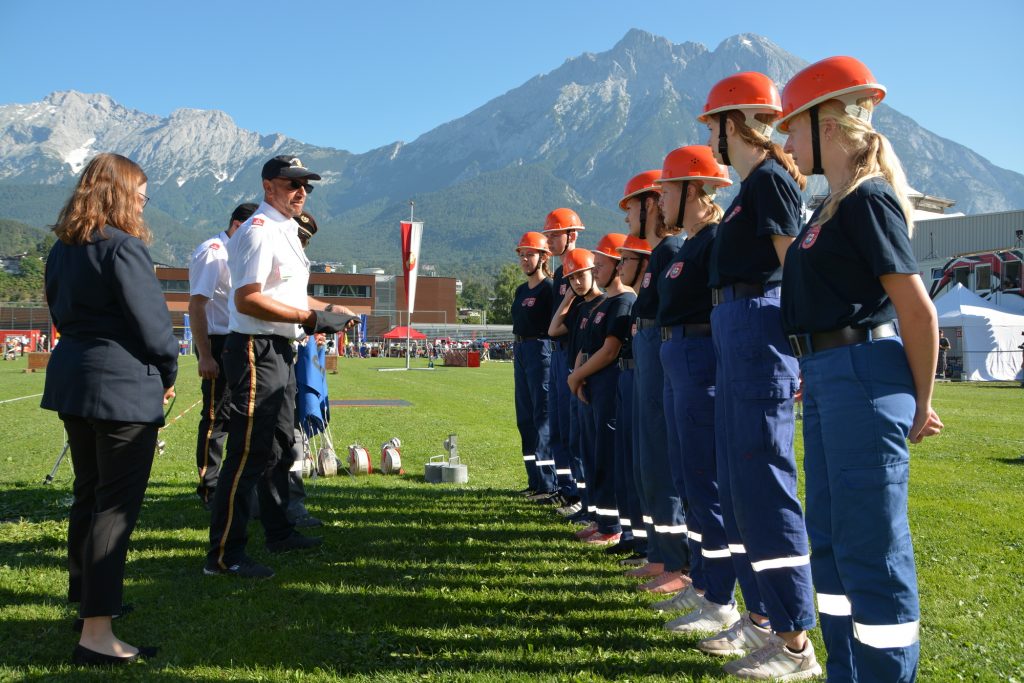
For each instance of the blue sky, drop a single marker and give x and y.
(359, 75)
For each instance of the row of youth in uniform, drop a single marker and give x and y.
(655, 379)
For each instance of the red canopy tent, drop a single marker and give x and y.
(403, 332)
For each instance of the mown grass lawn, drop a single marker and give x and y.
(416, 581)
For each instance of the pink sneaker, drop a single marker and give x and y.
(586, 532)
(667, 582)
(602, 539)
(646, 570)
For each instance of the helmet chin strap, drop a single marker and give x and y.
(723, 143)
(816, 143)
(682, 204)
(643, 217)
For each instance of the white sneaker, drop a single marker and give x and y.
(741, 638)
(686, 599)
(708, 618)
(775, 662)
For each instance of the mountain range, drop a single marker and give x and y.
(570, 137)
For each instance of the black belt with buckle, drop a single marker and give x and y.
(808, 343)
(644, 323)
(739, 290)
(687, 330)
(627, 364)
(520, 338)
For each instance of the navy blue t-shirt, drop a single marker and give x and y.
(531, 309)
(831, 278)
(767, 204)
(610, 319)
(577, 321)
(646, 305)
(683, 293)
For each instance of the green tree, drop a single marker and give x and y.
(474, 295)
(506, 282)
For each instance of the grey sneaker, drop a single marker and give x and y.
(570, 508)
(774, 662)
(686, 599)
(708, 618)
(741, 638)
(246, 569)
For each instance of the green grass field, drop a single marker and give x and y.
(416, 581)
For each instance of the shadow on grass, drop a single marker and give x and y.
(1019, 460)
(411, 580)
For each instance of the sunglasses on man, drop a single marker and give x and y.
(296, 184)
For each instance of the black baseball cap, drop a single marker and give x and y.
(243, 212)
(286, 166)
(307, 225)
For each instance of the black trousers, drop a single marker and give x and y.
(112, 462)
(213, 424)
(261, 384)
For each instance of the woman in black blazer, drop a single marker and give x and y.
(108, 379)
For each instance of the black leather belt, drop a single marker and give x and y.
(806, 344)
(644, 323)
(740, 290)
(520, 338)
(627, 364)
(686, 330)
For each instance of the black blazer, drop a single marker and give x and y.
(117, 351)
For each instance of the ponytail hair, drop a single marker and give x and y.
(872, 157)
(655, 220)
(714, 212)
(773, 149)
(545, 267)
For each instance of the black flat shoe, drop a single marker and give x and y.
(126, 609)
(83, 656)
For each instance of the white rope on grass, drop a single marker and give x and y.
(20, 398)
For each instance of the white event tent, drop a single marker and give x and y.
(987, 337)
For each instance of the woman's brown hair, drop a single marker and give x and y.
(774, 150)
(107, 193)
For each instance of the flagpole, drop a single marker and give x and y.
(408, 317)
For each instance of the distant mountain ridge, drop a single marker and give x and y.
(568, 137)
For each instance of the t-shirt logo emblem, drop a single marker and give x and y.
(732, 214)
(811, 237)
(675, 270)
(647, 280)
(598, 317)
(528, 303)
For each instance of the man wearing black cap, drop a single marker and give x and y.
(267, 306)
(209, 285)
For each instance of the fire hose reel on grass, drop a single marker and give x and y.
(358, 460)
(391, 457)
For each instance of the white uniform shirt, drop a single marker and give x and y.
(266, 250)
(209, 276)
